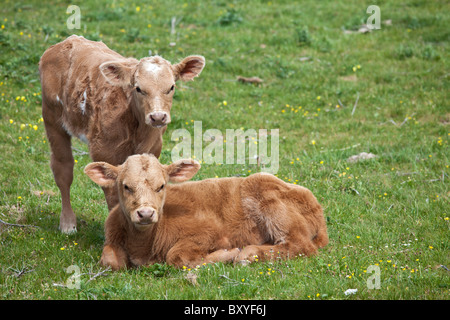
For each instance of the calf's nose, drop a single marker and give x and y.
(146, 215)
(158, 118)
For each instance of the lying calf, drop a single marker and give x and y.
(197, 222)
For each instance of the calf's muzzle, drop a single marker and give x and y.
(158, 119)
(146, 215)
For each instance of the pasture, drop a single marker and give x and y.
(332, 90)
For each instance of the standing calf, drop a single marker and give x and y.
(119, 106)
(191, 223)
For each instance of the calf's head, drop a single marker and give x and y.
(141, 183)
(151, 83)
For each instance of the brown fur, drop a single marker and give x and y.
(119, 106)
(197, 222)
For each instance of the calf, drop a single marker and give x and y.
(197, 222)
(119, 106)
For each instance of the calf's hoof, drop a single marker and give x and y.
(247, 255)
(243, 263)
(68, 222)
(68, 228)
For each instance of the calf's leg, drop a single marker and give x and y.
(114, 257)
(321, 239)
(194, 252)
(287, 216)
(289, 249)
(62, 163)
(222, 255)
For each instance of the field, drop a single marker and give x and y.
(332, 91)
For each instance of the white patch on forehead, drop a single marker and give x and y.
(152, 67)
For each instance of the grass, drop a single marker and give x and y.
(331, 91)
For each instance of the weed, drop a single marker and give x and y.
(303, 36)
(231, 16)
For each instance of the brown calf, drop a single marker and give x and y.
(119, 106)
(197, 222)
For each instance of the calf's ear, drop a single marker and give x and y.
(102, 173)
(189, 68)
(182, 170)
(117, 73)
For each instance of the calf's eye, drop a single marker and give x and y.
(127, 188)
(139, 90)
(171, 89)
(160, 188)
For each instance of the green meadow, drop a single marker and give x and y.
(331, 89)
